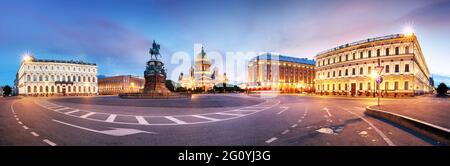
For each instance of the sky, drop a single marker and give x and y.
(116, 34)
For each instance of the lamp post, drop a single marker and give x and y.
(379, 79)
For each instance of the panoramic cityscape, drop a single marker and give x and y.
(144, 77)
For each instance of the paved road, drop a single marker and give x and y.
(283, 120)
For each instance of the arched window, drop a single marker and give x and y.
(53, 89)
(53, 78)
(407, 50)
(397, 51)
(46, 78)
(93, 79)
(89, 79)
(28, 78)
(40, 77)
(69, 88)
(29, 89)
(40, 89)
(79, 78)
(46, 89)
(74, 78)
(35, 89)
(361, 71)
(58, 78)
(58, 89)
(387, 51)
(346, 72)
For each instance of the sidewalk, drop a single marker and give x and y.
(431, 111)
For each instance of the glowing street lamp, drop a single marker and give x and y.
(408, 31)
(27, 57)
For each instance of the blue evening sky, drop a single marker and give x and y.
(116, 34)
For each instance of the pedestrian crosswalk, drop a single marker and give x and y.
(158, 120)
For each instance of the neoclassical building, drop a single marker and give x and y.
(37, 77)
(281, 73)
(349, 69)
(201, 76)
(120, 84)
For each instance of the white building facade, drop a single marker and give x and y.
(56, 78)
(350, 69)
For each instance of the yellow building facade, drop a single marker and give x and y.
(350, 69)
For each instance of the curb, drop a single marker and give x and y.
(432, 131)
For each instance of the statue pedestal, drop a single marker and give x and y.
(155, 84)
(155, 80)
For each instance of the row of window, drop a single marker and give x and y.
(361, 71)
(59, 89)
(58, 68)
(340, 58)
(61, 78)
(334, 87)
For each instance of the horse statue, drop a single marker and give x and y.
(154, 51)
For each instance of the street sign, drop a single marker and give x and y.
(379, 80)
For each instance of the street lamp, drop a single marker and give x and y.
(27, 57)
(408, 31)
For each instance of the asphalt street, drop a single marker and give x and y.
(246, 120)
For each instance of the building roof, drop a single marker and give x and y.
(268, 56)
(63, 61)
(361, 42)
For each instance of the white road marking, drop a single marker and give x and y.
(141, 120)
(285, 132)
(204, 117)
(87, 115)
(299, 120)
(271, 140)
(385, 138)
(111, 118)
(113, 132)
(49, 142)
(294, 126)
(177, 121)
(12, 109)
(224, 113)
(72, 111)
(19, 122)
(328, 112)
(60, 109)
(25, 127)
(54, 107)
(34, 134)
(284, 109)
(236, 113)
(17, 118)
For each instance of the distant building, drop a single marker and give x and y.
(350, 69)
(1, 91)
(201, 76)
(280, 73)
(120, 84)
(38, 77)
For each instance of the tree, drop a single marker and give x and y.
(7, 90)
(169, 85)
(442, 89)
